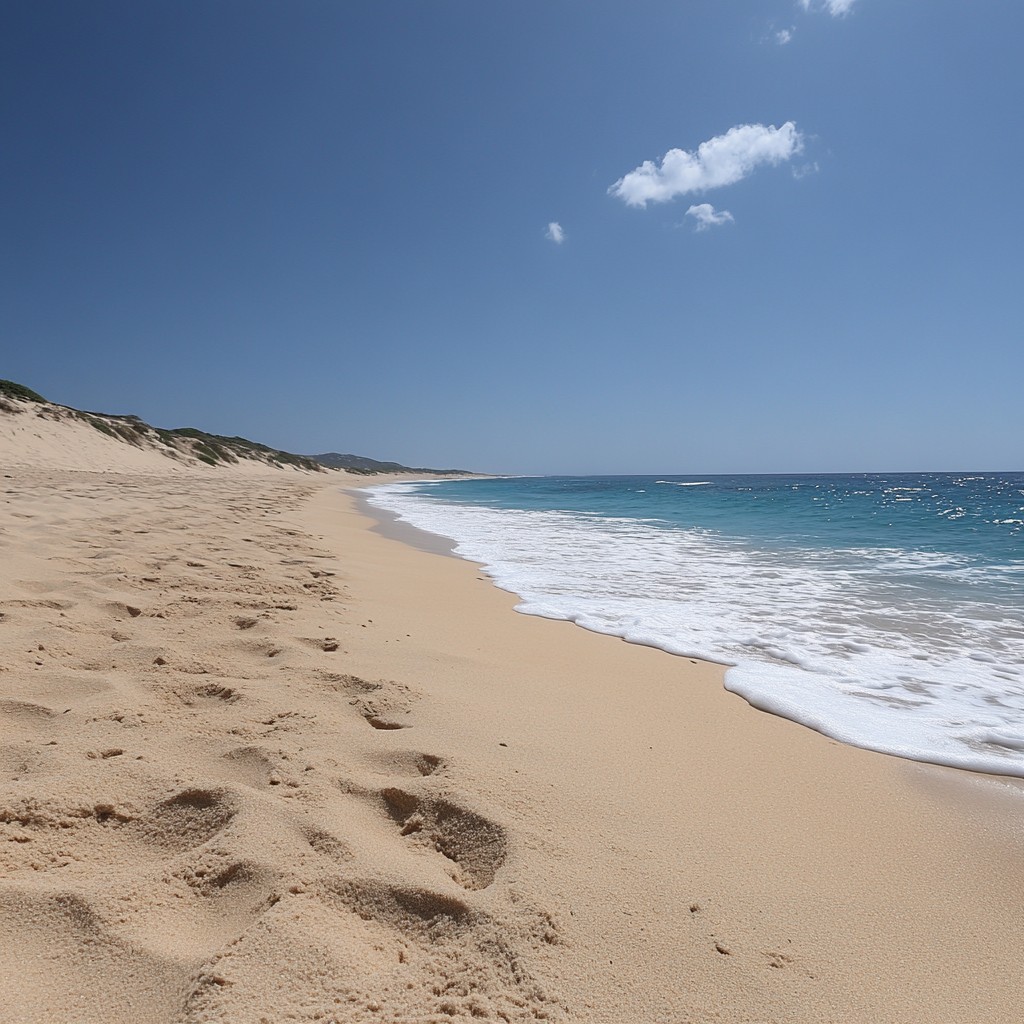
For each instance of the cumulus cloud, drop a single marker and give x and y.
(555, 233)
(707, 216)
(723, 160)
(837, 8)
(783, 36)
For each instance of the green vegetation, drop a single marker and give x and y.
(10, 389)
(129, 432)
(127, 428)
(212, 453)
(370, 467)
(103, 428)
(231, 449)
(212, 449)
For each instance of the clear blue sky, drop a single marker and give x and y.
(420, 230)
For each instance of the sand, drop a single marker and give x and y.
(261, 762)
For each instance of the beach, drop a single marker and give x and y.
(264, 761)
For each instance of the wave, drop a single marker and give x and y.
(867, 646)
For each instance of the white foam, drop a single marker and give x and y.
(883, 648)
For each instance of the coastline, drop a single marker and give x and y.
(260, 758)
(388, 524)
(859, 878)
(879, 645)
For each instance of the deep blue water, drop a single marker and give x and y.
(974, 514)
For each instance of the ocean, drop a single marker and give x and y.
(884, 610)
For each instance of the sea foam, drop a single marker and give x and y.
(909, 652)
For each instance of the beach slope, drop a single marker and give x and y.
(261, 762)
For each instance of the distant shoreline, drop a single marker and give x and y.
(388, 524)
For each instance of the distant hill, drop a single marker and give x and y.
(369, 467)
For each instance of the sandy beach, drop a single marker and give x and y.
(261, 761)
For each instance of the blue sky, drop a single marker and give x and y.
(327, 226)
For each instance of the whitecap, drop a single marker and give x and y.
(853, 643)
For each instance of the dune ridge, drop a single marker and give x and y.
(35, 432)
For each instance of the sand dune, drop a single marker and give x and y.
(40, 434)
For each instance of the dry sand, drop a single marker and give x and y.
(259, 762)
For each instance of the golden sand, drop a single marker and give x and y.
(260, 763)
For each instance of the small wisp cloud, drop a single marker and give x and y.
(720, 161)
(555, 233)
(837, 8)
(707, 216)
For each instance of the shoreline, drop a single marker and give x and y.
(995, 789)
(388, 524)
(905, 825)
(259, 758)
(888, 687)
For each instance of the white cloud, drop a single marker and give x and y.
(783, 36)
(837, 8)
(708, 217)
(723, 160)
(555, 233)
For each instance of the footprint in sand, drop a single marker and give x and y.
(188, 819)
(408, 763)
(327, 845)
(119, 610)
(475, 845)
(117, 981)
(218, 692)
(28, 714)
(386, 709)
(265, 769)
(380, 722)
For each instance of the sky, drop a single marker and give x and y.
(541, 236)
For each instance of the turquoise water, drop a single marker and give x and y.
(885, 610)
